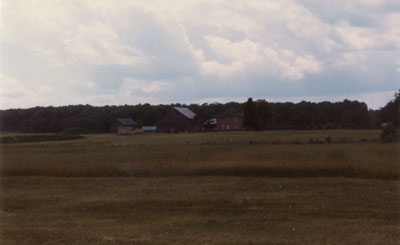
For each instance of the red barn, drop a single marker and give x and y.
(178, 119)
(231, 119)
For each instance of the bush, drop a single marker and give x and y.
(328, 139)
(390, 134)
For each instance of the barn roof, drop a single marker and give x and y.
(186, 112)
(126, 121)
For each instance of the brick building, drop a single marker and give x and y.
(231, 119)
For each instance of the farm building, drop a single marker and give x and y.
(149, 129)
(231, 119)
(178, 119)
(210, 124)
(123, 126)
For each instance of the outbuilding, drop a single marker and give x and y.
(178, 119)
(123, 125)
(210, 124)
(149, 129)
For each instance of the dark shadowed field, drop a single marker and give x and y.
(211, 188)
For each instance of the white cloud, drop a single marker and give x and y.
(398, 65)
(391, 29)
(348, 59)
(214, 68)
(14, 94)
(11, 87)
(248, 56)
(130, 85)
(356, 37)
(154, 87)
(97, 43)
(43, 90)
(246, 50)
(49, 54)
(64, 32)
(82, 85)
(372, 2)
(148, 50)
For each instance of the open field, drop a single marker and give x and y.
(25, 138)
(271, 154)
(199, 210)
(203, 188)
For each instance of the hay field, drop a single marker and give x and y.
(205, 188)
(199, 210)
(270, 154)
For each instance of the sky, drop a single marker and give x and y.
(106, 52)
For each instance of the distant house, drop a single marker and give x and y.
(210, 124)
(231, 119)
(178, 119)
(123, 126)
(149, 129)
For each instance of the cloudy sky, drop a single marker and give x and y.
(98, 52)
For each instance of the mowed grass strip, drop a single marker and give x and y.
(183, 210)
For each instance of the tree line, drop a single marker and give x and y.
(259, 115)
(94, 118)
(262, 115)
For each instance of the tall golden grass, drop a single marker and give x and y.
(224, 154)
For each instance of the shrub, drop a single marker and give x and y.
(390, 134)
(328, 139)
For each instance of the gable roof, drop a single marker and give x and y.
(186, 112)
(126, 121)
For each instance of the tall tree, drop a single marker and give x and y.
(390, 113)
(263, 114)
(250, 115)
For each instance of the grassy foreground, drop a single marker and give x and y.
(270, 154)
(199, 210)
(208, 188)
(24, 138)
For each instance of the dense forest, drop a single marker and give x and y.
(259, 115)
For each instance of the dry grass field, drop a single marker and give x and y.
(199, 210)
(203, 188)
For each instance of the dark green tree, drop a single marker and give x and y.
(259, 115)
(250, 120)
(390, 113)
(263, 114)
